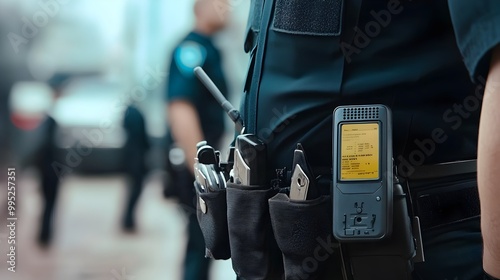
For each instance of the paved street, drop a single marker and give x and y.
(88, 242)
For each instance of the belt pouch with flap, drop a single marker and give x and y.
(254, 252)
(211, 211)
(303, 231)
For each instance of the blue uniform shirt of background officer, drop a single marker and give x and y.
(193, 116)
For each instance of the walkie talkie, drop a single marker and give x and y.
(362, 173)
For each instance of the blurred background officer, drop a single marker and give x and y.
(403, 54)
(136, 148)
(45, 158)
(194, 115)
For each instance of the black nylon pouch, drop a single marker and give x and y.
(303, 231)
(254, 252)
(390, 258)
(211, 211)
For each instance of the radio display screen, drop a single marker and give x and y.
(360, 148)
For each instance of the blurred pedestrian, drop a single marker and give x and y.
(136, 148)
(46, 156)
(193, 116)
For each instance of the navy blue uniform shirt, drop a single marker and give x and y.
(403, 54)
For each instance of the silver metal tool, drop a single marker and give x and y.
(241, 171)
(300, 184)
(207, 170)
(200, 178)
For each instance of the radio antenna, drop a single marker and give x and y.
(217, 94)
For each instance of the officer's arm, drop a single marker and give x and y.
(185, 128)
(489, 168)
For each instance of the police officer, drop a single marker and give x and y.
(194, 115)
(312, 56)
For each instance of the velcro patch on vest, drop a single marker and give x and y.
(311, 17)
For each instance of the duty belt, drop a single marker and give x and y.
(441, 194)
(445, 193)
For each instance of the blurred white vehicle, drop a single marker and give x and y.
(90, 118)
(89, 113)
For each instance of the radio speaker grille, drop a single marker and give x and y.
(361, 113)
